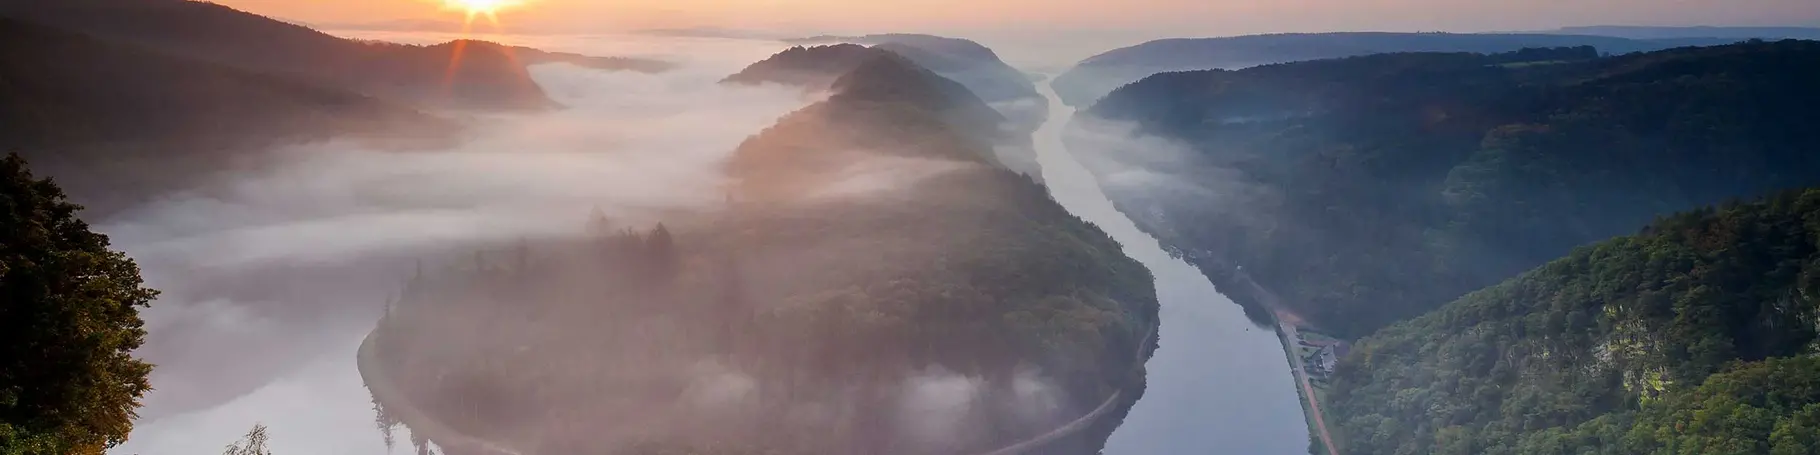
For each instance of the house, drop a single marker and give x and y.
(1328, 357)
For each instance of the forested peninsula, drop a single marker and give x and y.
(875, 283)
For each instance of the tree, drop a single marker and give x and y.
(661, 247)
(253, 444)
(69, 321)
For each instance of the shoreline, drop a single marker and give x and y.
(454, 442)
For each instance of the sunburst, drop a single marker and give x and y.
(481, 8)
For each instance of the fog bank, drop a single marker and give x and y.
(271, 276)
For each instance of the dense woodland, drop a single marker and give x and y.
(1698, 336)
(1371, 189)
(876, 283)
(1099, 75)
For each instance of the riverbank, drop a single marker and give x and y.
(397, 405)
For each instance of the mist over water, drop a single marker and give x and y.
(272, 277)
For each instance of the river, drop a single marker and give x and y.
(1218, 384)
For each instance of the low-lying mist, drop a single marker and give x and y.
(270, 277)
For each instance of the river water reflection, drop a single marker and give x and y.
(1219, 384)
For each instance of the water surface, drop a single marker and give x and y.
(1218, 384)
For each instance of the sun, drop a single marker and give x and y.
(477, 8)
(480, 6)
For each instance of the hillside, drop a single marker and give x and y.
(116, 124)
(1613, 349)
(965, 61)
(1098, 75)
(1371, 189)
(462, 74)
(813, 68)
(1011, 92)
(1007, 89)
(876, 283)
(819, 68)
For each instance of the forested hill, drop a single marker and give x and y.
(965, 61)
(874, 284)
(489, 76)
(1371, 189)
(1098, 75)
(813, 68)
(1613, 349)
(824, 67)
(115, 123)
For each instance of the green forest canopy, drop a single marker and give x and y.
(69, 321)
(1568, 357)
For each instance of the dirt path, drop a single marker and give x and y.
(1287, 322)
(1290, 338)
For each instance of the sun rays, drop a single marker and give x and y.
(475, 9)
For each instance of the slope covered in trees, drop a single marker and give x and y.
(1098, 75)
(460, 74)
(117, 123)
(1613, 349)
(876, 283)
(69, 321)
(819, 68)
(813, 68)
(1370, 189)
(964, 61)
(977, 67)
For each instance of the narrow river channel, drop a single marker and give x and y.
(1218, 384)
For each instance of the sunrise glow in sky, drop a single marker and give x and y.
(1163, 17)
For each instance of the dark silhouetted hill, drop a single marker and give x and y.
(114, 122)
(1100, 74)
(462, 74)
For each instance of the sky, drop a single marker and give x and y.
(1160, 17)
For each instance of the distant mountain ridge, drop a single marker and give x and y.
(461, 75)
(1658, 32)
(1098, 75)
